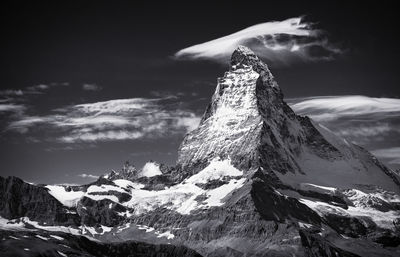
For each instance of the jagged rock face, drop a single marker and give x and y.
(104, 212)
(128, 172)
(20, 199)
(247, 121)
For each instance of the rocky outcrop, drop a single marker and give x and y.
(20, 199)
(128, 172)
(105, 212)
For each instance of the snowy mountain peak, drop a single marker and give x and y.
(249, 122)
(244, 56)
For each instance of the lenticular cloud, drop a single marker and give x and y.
(276, 41)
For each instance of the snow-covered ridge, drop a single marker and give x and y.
(181, 197)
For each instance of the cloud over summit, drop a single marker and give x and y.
(275, 41)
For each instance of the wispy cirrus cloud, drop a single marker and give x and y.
(6, 106)
(276, 41)
(91, 87)
(112, 120)
(393, 154)
(84, 175)
(35, 89)
(11, 92)
(323, 108)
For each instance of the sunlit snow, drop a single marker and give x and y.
(67, 198)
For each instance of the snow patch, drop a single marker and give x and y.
(103, 197)
(73, 231)
(381, 219)
(42, 237)
(144, 227)
(67, 198)
(127, 184)
(62, 254)
(317, 188)
(166, 234)
(216, 195)
(304, 225)
(105, 229)
(104, 188)
(6, 224)
(215, 170)
(57, 237)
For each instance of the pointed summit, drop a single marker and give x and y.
(244, 56)
(249, 123)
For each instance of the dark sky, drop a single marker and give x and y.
(123, 50)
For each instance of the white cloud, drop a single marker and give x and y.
(25, 122)
(11, 107)
(112, 120)
(325, 108)
(81, 136)
(191, 122)
(11, 92)
(366, 130)
(150, 169)
(393, 154)
(276, 41)
(38, 87)
(84, 175)
(91, 87)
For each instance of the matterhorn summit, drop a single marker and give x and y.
(249, 122)
(254, 179)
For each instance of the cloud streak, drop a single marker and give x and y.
(91, 87)
(6, 106)
(113, 120)
(36, 89)
(393, 154)
(325, 108)
(84, 175)
(276, 41)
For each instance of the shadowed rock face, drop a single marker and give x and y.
(28, 244)
(20, 199)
